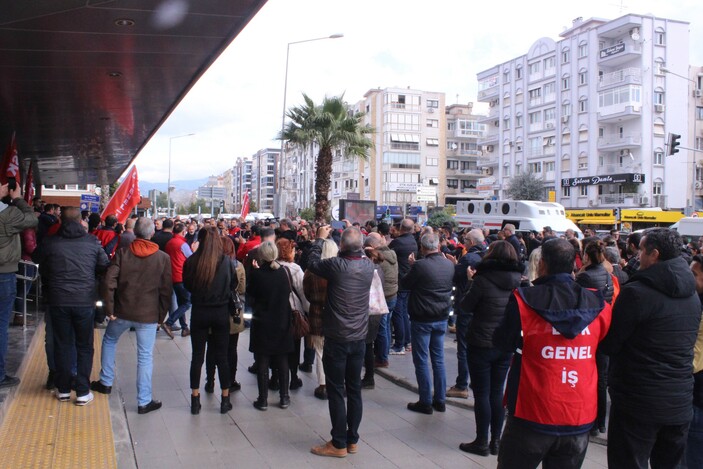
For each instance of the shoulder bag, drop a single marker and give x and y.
(299, 320)
(377, 299)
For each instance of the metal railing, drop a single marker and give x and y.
(28, 272)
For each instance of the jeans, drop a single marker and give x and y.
(215, 321)
(49, 346)
(343, 362)
(401, 320)
(633, 443)
(146, 337)
(488, 368)
(694, 447)
(383, 340)
(525, 448)
(8, 291)
(462, 328)
(428, 339)
(73, 323)
(183, 302)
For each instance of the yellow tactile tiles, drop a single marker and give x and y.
(41, 432)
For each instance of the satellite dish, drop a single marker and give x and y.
(635, 36)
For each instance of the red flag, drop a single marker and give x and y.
(28, 185)
(245, 205)
(10, 166)
(125, 198)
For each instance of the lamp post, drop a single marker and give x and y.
(279, 179)
(168, 185)
(691, 152)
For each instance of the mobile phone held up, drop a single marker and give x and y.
(337, 225)
(11, 184)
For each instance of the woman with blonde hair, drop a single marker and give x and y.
(210, 277)
(271, 338)
(315, 288)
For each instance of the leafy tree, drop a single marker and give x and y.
(526, 186)
(331, 125)
(193, 207)
(308, 214)
(438, 218)
(161, 200)
(253, 207)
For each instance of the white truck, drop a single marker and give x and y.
(526, 215)
(689, 227)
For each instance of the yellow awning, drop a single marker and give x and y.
(596, 221)
(650, 216)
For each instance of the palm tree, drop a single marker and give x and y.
(330, 125)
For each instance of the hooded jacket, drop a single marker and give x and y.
(69, 264)
(595, 276)
(13, 220)
(576, 319)
(650, 343)
(137, 286)
(490, 290)
(390, 271)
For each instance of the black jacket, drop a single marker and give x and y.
(271, 332)
(404, 245)
(346, 314)
(223, 284)
(650, 343)
(491, 288)
(69, 263)
(461, 281)
(430, 284)
(595, 276)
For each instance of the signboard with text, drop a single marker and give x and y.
(633, 178)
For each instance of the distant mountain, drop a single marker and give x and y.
(189, 185)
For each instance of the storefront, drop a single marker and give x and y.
(601, 219)
(639, 219)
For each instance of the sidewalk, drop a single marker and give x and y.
(391, 436)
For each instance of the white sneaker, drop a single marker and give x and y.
(84, 400)
(63, 396)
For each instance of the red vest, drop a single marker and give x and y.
(175, 252)
(558, 376)
(105, 236)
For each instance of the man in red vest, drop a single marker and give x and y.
(177, 248)
(108, 237)
(554, 327)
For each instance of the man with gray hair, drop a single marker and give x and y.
(612, 255)
(344, 327)
(429, 282)
(403, 245)
(136, 292)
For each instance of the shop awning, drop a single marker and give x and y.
(650, 216)
(596, 221)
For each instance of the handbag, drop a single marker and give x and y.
(236, 324)
(377, 299)
(235, 306)
(299, 321)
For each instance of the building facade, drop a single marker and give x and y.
(465, 178)
(241, 182)
(589, 114)
(263, 176)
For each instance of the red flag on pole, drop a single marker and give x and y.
(125, 198)
(10, 165)
(245, 205)
(29, 185)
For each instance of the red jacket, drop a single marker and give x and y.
(178, 250)
(248, 246)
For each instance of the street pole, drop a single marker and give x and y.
(168, 185)
(279, 177)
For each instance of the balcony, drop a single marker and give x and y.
(469, 191)
(619, 113)
(620, 53)
(490, 139)
(630, 75)
(616, 168)
(470, 172)
(405, 146)
(627, 199)
(545, 150)
(488, 161)
(466, 153)
(490, 91)
(617, 141)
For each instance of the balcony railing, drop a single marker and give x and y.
(618, 140)
(616, 168)
(405, 146)
(476, 171)
(610, 199)
(626, 75)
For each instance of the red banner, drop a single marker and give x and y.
(245, 205)
(10, 165)
(29, 185)
(125, 198)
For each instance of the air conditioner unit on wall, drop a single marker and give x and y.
(430, 110)
(659, 108)
(489, 148)
(549, 125)
(697, 93)
(565, 119)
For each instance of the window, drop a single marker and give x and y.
(565, 83)
(566, 191)
(535, 167)
(404, 121)
(432, 142)
(583, 49)
(535, 117)
(452, 164)
(659, 66)
(583, 105)
(549, 91)
(534, 68)
(549, 65)
(434, 103)
(583, 77)
(699, 143)
(658, 157)
(506, 123)
(659, 97)
(452, 183)
(583, 191)
(660, 38)
(434, 123)
(399, 160)
(431, 161)
(621, 95)
(549, 114)
(699, 113)
(451, 126)
(506, 76)
(506, 171)
(535, 96)
(657, 188)
(549, 166)
(518, 73)
(566, 109)
(518, 121)
(452, 145)
(565, 56)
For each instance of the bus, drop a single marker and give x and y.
(526, 215)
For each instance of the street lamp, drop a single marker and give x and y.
(168, 185)
(692, 152)
(279, 179)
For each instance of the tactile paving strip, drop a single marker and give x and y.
(41, 432)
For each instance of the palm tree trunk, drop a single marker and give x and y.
(323, 173)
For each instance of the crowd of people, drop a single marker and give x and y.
(546, 324)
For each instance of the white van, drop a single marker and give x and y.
(526, 215)
(691, 227)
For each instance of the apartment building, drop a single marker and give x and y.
(263, 175)
(465, 179)
(590, 113)
(241, 182)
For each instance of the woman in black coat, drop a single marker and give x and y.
(497, 275)
(271, 338)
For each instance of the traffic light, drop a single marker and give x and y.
(673, 143)
(222, 204)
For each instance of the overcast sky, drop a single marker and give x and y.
(236, 107)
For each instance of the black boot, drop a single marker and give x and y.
(477, 446)
(195, 405)
(367, 382)
(493, 446)
(225, 405)
(209, 386)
